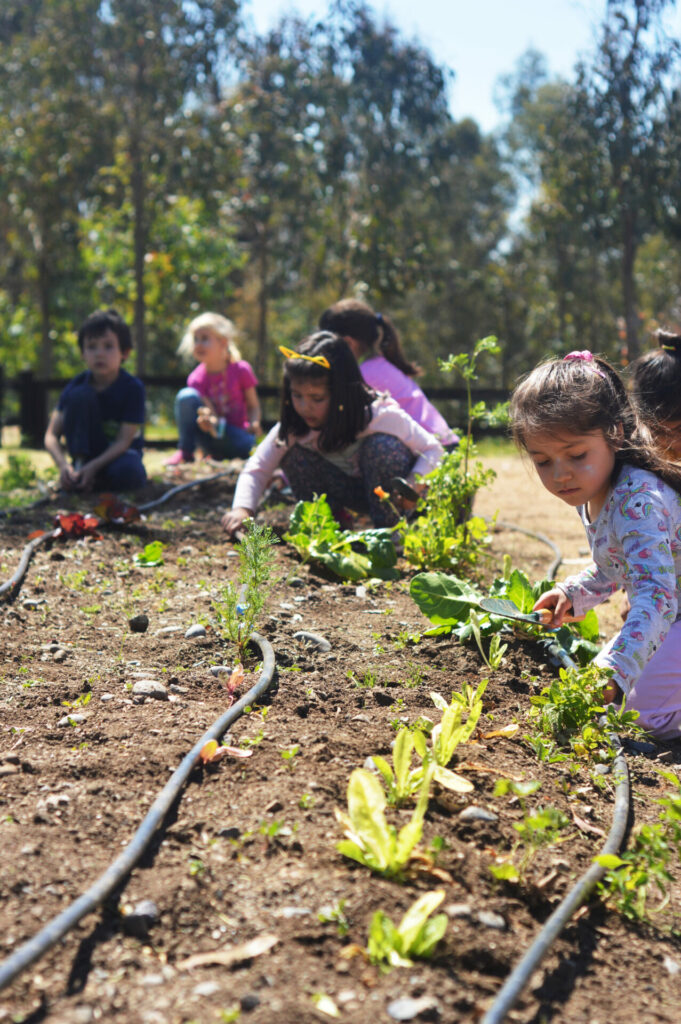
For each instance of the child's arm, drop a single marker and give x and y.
(253, 410)
(126, 435)
(68, 477)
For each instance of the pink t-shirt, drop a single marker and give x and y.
(381, 375)
(226, 390)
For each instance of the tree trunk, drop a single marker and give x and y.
(263, 298)
(629, 284)
(44, 303)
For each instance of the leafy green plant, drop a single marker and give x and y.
(335, 915)
(415, 937)
(370, 840)
(316, 536)
(629, 880)
(239, 604)
(151, 555)
(452, 730)
(19, 474)
(444, 533)
(402, 781)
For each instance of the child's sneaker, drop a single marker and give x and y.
(178, 457)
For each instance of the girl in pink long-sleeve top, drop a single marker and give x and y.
(335, 436)
(376, 344)
(574, 418)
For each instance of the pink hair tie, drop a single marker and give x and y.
(586, 357)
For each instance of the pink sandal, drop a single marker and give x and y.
(178, 457)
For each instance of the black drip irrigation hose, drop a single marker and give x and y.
(107, 883)
(522, 972)
(12, 584)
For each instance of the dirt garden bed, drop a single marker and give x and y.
(249, 850)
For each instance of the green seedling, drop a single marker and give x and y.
(495, 656)
(80, 702)
(290, 754)
(415, 937)
(632, 878)
(451, 730)
(151, 556)
(336, 915)
(370, 840)
(402, 781)
(239, 605)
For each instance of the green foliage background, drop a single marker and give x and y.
(156, 155)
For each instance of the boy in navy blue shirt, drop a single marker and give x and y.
(100, 413)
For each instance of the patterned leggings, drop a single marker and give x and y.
(381, 457)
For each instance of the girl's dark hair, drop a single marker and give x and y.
(656, 381)
(102, 321)
(579, 396)
(350, 398)
(354, 319)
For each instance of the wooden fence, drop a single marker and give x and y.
(36, 397)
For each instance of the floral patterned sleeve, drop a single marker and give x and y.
(588, 588)
(637, 551)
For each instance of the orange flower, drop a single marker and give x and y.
(380, 493)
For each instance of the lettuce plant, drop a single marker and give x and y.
(317, 537)
(416, 936)
(370, 840)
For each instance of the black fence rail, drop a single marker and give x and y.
(34, 397)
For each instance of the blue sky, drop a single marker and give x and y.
(478, 39)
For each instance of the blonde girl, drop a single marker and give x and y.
(218, 411)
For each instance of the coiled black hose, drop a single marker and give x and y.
(34, 948)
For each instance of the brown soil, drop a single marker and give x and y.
(249, 850)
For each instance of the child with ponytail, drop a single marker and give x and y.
(574, 418)
(656, 392)
(376, 345)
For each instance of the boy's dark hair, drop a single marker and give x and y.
(354, 319)
(656, 381)
(350, 398)
(102, 321)
(579, 396)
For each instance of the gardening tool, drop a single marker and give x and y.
(504, 608)
(398, 485)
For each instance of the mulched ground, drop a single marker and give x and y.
(249, 850)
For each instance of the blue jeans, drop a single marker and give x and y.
(85, 439)
(236, 443)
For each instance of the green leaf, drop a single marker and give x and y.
(443, 599)
(609, 861)
(416, 916)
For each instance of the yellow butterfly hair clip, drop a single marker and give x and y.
(288, 353)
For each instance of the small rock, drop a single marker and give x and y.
(230, 832)
(217, 670)
(168, 630)
(176, 688)
(60, 655)
(361, 592)
(139, 623)
(408, 1008)
(8, 769)
(33, 602)
(672, 966)
(150, 688)
(206, 988)
(285, 606)
(187, 550)
(139, 919)
(106, 698)
(320, 643)
(458, 910)
(274, 806)
(196, 630)
(290, 912)
(474, 813)
(296, 581)
(75, 718)
(249, 1002)
(666, 755)
(602, 769)
(12, 759)
(491, 920)
(57, 556)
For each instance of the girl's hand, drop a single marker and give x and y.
(232, 520)
(69, 478)
(611, 693)
(207, 421)
(557, 602)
